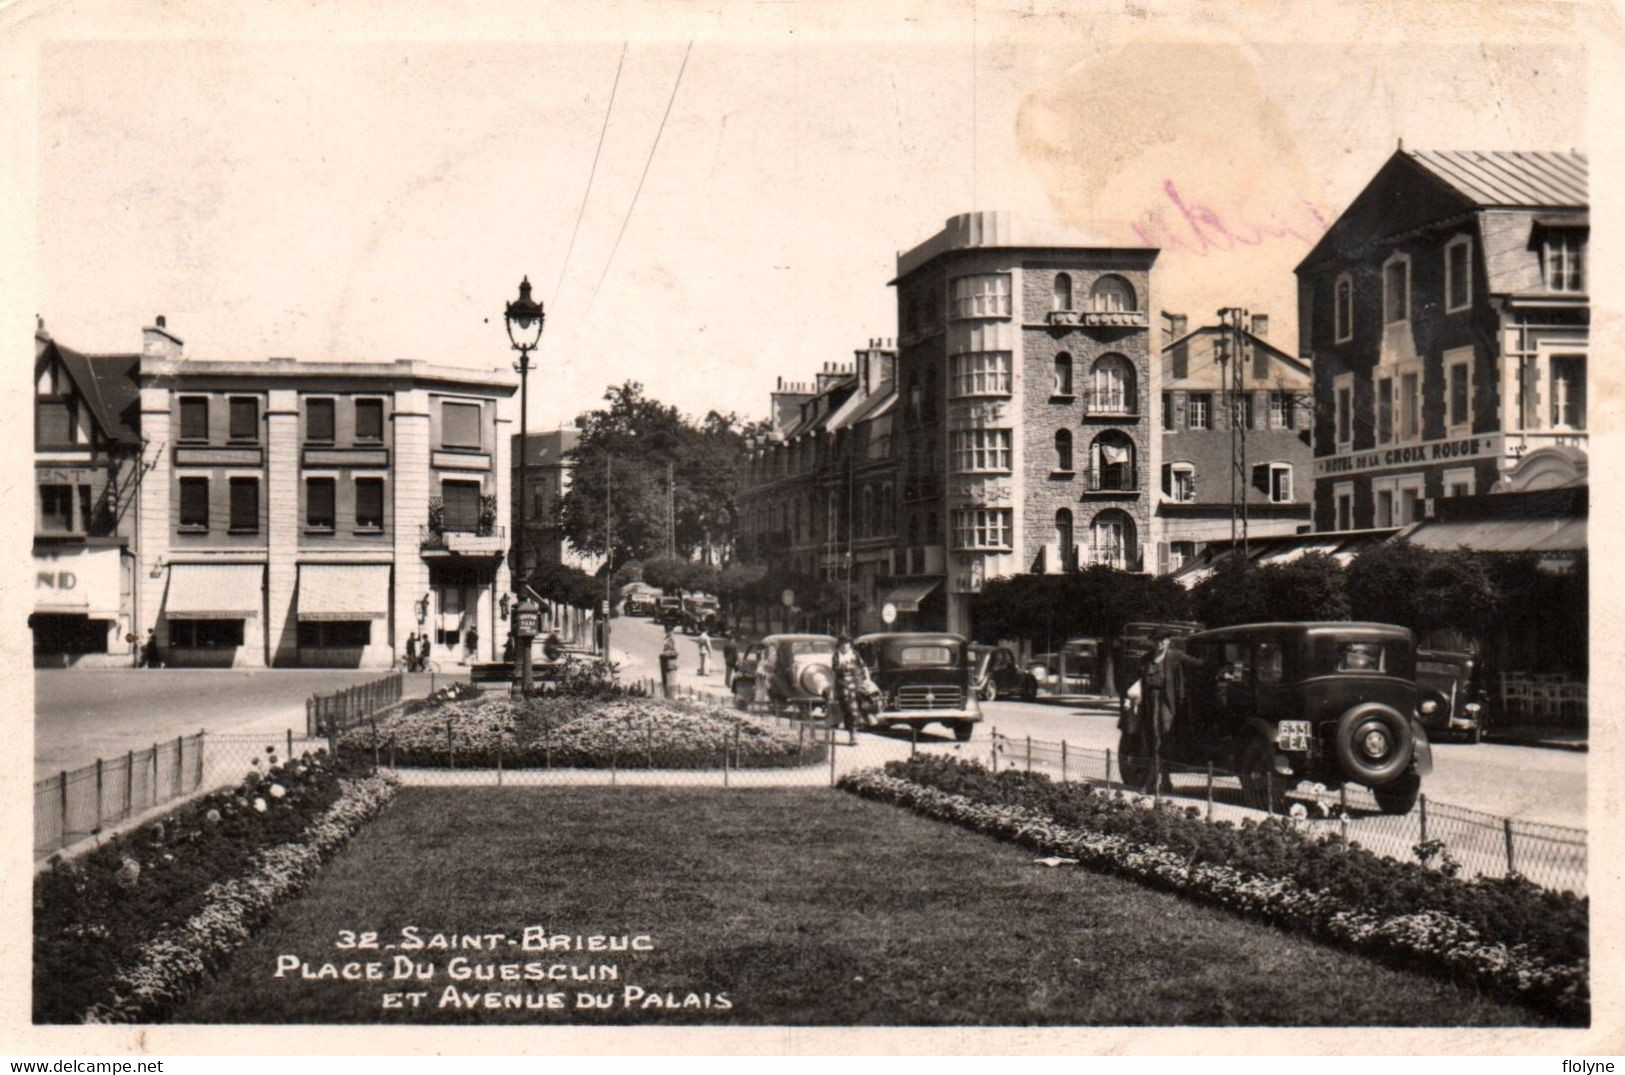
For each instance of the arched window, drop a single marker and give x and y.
(1066, 547)
(1112, 540)
(1063, 449)
(1111, 386)
(1111, 463)
(1063, 292)
(1111, 294)
(1063, 374)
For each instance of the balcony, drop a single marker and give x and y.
(1112, 479)
(468, 539)
(1096, 318)
(1112, 401)
(1118, 557)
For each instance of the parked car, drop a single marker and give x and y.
(923, 678)
(1073, 669)
(795, 673)
(701, 612)
(669, 610)
(640, 600)
(1451, 699)
(998, 673)
(1282, 702)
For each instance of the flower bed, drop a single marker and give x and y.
(571, 731)
(124, 932)
(1503, 934)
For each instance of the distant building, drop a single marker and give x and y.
(1025, 419)
(88, 462)
(549, 463)
(1196, 412)
(316, 513)
(1447, 317)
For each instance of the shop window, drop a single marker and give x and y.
(194, 503)
(369, 503)
(245, 420)
(245, 505)
(205, 634)
(320, 509)
(334, 634)
(194, 420)
(460, 425)
(319, 421)
(369, 420)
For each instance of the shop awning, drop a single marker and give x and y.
(1293, 552)
(214, 591)
(343, 591)
(908, 596)
(82, 582)
(1551, 534)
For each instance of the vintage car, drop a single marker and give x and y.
(1278, 703)
(701, 612)
(669, 610)
(794, 674)
(639, 599)
(998, 673)
(1074, 669)
(1133, 642)
(1450, 698)
(923, 678)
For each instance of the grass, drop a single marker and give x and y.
(804, 908)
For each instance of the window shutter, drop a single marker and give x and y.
(1179, 410)
(55, 420)
(1167, 479)
(1182, 361)
(1162, 557)
(1261, 477)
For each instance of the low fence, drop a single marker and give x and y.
(83, 802)
(329, 714)
(1478, 843)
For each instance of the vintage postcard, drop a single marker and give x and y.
(811, 527)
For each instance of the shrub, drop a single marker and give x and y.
(574, 731)
(1504, 932)
(122, 932)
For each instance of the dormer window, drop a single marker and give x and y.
(1396, 289)
(1563, 261)
(1458, 273)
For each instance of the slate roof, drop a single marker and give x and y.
(108, 385)
(1524, 180)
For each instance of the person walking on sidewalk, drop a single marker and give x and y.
(849, 678)
(668, 662)
(730, 660)
(705, 652)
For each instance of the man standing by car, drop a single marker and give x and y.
(1156, 708)
(730, 658)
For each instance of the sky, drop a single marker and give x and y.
(367, 190)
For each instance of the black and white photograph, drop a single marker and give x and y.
(809, 527)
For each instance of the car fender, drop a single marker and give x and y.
(1422, 749)
(1264, 731)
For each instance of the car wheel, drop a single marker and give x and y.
(1262, 788)
(962, 731)
(990, 691)
(1400, 796)
(1374, 744)
(1131, 764)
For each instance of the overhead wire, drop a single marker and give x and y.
(592, 172)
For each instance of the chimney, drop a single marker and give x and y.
(1261, 325)
(158, 342)
(1173, 327)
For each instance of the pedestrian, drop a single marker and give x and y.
(149, 650)
(473, 642)
(668, 661)
(423, 650)
(1156, 708)
(730, 660)
(552, 648)
(705, 652)
(850, 675)
(507, 649)
(412, 651)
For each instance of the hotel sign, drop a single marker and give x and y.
(1409, 455)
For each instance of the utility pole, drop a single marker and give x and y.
(671, 510)
(609, 554)
(1232, 351)
(851, 525)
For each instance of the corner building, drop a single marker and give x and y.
(316, 513)
(1026, 374)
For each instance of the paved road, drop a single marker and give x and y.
(83, 714)
(1530, 783)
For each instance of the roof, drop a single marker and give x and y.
(859, 408)
(108, 385)
(1566, 535)
(1524, 180)
(1316, 627)
(1258, 341)
(996, 229)
(923, 637)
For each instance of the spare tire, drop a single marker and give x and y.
(1374, 744)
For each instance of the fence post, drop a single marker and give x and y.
(392, 752)
(202, 751)
(829, 738)
(154, 788)
(1029, 753)
(1108, 767)
(1210, 791)
(451, 756)
(1343, 811)
(290, 744)
(310, 722)
(1422, 801)
(499, 763)
(374, 725)
(180, 764)
(913, 739)
(62, 802)
(1506, 826)
(724, 759)
(993, 748)
(129, 783)
(98, 793)
(614, 764)
(1269, 790)
(1063, 761)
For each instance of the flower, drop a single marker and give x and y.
(1298, 812)
(212, 817)
(129, 870)
(259, 804)
(277, 791)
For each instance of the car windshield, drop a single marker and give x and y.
(918, 656)
(809, 647)
(1437, 668)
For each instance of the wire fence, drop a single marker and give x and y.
(82, 802)
(328, 714)
(1472, 841)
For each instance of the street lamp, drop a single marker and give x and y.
(524, 319)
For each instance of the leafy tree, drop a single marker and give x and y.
(1426, 589)
(1095, 602)
(1312, 587)
(565, 584)
(626, 574)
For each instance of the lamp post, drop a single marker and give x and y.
(524, 320)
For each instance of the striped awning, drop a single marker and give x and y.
(908, 596)
(214, 591)
(343, 591)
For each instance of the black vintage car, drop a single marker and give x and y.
(1450, 699)
(1282, 702)
(998, 673)
(923, 678)
(795, 674)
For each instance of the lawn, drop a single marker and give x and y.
(801, 907)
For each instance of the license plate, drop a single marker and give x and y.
(1293, 735)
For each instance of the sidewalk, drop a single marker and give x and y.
(1537, 735)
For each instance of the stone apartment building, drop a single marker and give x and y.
(316, 513)
(1026, 426)
(1446, 314)
(548, 466)
(1197, 409)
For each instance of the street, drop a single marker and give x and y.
(1528, 783)
(80, 715)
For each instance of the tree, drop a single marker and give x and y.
(1427, 589)
(566, 585)
(1095, 602)
(1312, 587)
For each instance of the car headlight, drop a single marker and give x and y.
(1473, 707)
(816, 679)
(1430, 706)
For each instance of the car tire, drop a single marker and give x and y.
(989, 691)
(1399, 798)
(963, 731)
(1353, 725)
(1132, 766)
